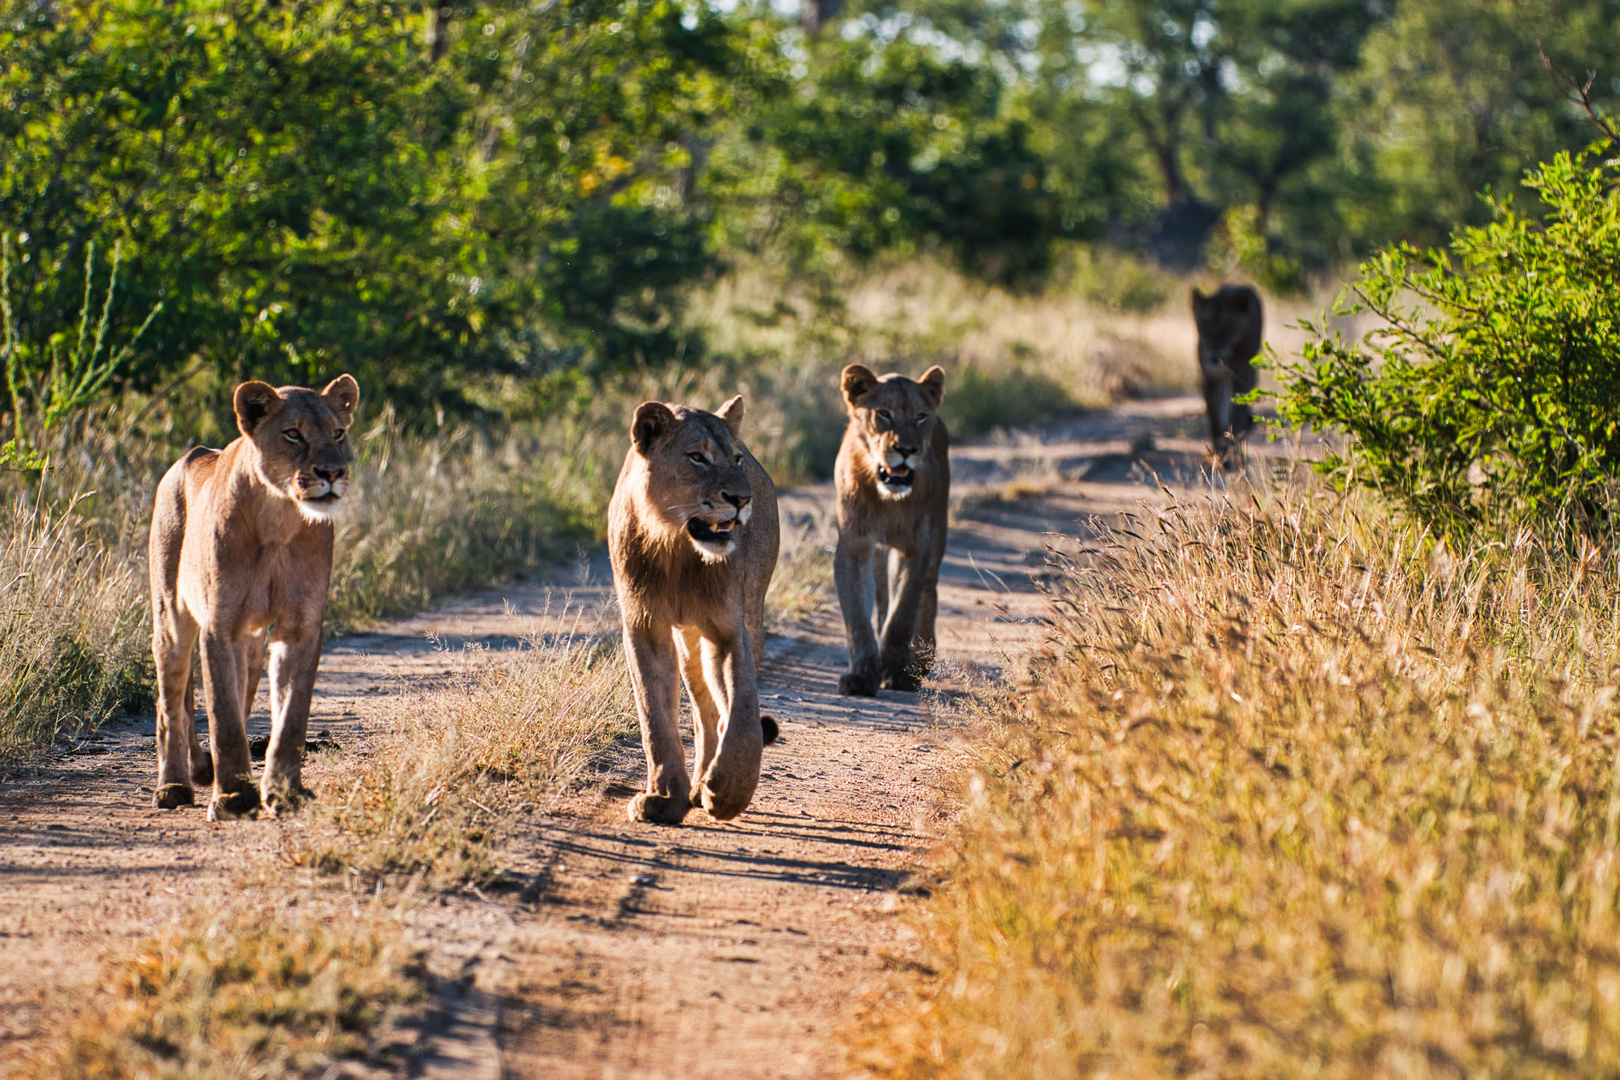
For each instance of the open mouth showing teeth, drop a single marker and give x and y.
(716, 532)
(899, 476)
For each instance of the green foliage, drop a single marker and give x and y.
(878, 142)
(980, 401)
(1452, 98)
(451, 200)
(308, 188)
(1240, 248)
(54, 381)
(1487, 401)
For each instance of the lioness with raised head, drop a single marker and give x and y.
(693, 535)
(1229, 328)
(242, 546)
(893, 479)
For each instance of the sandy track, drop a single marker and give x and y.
(635, 950)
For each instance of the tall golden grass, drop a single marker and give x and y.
(1011, 359)
(456, 766)
(254, 991)
(426, 516)
(1297, 793)
(72, 646)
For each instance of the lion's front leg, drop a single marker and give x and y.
(651, 652)
(1217, 386)
(224, 665)
(294, 658)
(899, 671)
(708, 698)
(727, 782)
(925, 646)
(852, 577)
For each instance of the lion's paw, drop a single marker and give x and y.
(901, 679)
(279, 801)
(241, 802)
(858, 684)
(659, 809)
(173, 796)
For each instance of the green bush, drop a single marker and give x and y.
(1485, 402)
(312, 187)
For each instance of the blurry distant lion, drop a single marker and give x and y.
(1229, 330)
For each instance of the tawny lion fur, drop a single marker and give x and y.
(241, 548)
(693, 535)
(893, 479)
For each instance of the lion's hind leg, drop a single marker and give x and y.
(202, 762)
(174, 635)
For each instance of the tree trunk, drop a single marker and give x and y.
(817, 13)
(438, 32)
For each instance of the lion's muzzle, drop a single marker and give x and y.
(895, 471)
(319, 490)
(715, 540)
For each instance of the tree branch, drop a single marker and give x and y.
(1580, 94)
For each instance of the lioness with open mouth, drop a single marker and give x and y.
(893, 479)
(693, 535)
(241, 546)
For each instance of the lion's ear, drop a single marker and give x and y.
(1199, 301)
(653, 421)
(857, 381)
(255, 402)
(343, 395)
(732, 413)
(932, 385)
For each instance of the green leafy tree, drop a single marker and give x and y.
(1487, 401)
(888, 135)
(425, 199)
(1452, 98)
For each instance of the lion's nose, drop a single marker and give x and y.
(330, 473)
(905, 451)
(739, 501)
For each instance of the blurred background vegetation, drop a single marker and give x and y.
(479, 207)
(513, 219)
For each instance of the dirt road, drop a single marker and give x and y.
(731, 949)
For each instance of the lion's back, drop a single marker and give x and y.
(172, 508)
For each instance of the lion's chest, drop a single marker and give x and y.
(243, 587)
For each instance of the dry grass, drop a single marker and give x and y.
(248, 993)
(435, 516)
(427, 516)
(802, 584)
(458, 765)
(72, 646)
(1010, 359)
(1295, 796)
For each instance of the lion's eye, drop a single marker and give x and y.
(697, 458)
(339, 434)
(292, 435)
(883, 414)
(736, 459)
(921, 420)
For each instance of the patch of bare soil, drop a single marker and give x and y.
(626, 950)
